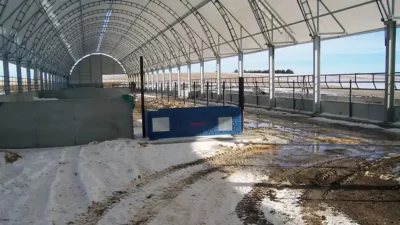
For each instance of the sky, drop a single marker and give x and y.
(356, 54)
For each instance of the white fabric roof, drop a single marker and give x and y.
(54, 34)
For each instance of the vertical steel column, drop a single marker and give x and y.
(240, 64)
(271, 52)
(179, 80)
(41, 79)
(152, 80)
(202, 77)
(170, 76)
(317, 74)
(218, 60)
(50, 80)
(147, 81)
(28, 76)
(163, 78)
(35, 78)
(19, 75)
(158, 80)
(189, 78)
(46, 85)
(6, 73)
(390, 71)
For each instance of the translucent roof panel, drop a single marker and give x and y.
(55, 34)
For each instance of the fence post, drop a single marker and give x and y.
(207, 93)
(212, 90)
(184, 93)
(256, 92)
(223, 93)
(350, 101)
(194, 93)
(168, 91)
(241, 98)
(294, 99)
(175, 91)
(230, 90)
(142, 96)
(156, 90)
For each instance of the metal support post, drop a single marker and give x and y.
(240, 64)
(36, 78)
(158, 79)
(170, 76)
(41, 79)
(163, 78)
(46, 85)
(152, 81)
(390, 71)
(189, 78)
(147, 81)
(271, 52)
(317, 74)
(50, 81)
(218, 76)
(241, 99)
(28, 77)
(179, 81)
(6, 73)
(142, 97)
(19, 75)
(202, 77)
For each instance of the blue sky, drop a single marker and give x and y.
(355, 54)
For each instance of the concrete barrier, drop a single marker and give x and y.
(64, 122)
(19, 97)
(79, 93)
(336, 108)
(189, 122)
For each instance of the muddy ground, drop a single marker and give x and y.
(352, 173)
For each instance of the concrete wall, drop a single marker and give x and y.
(359, 110)
(78, 93)
(64, 122)
(18, 97)
(92, 68)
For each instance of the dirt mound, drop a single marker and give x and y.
(11, 157)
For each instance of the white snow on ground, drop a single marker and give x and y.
(211, 201)
(50, 186)
(334, 217)
(53, 184)
(285, 209)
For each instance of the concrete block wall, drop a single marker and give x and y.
(18, 97)
(79, 93)
(64, 122)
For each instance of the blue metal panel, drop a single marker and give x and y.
(189, 122)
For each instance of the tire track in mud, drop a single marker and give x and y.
(157, 203)
(98, 209)
(248, 209)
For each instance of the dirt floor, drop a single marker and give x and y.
(303, 173)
